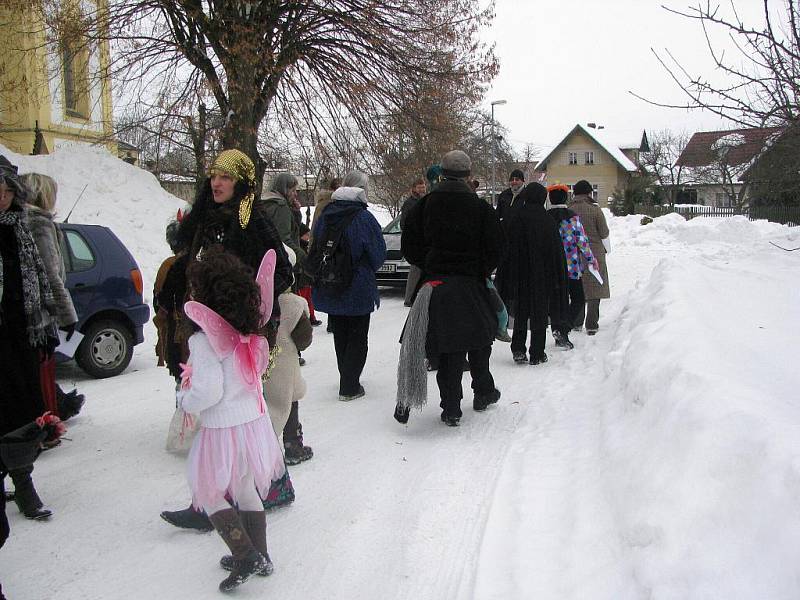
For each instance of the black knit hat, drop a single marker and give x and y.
(583, 187)
(516, 174)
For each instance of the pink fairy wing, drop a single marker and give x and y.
(252, 357)
(264, 278)
(221, 335)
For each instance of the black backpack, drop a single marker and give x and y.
(329, 262)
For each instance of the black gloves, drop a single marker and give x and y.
(69, 330)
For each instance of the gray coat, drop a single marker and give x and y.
(47, 238)
(594, 223)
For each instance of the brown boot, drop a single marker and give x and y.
(247, 560)
(255, 524)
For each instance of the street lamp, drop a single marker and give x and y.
(495, 103)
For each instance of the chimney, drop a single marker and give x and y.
(592, 125)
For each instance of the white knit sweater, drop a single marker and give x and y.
(217, 393)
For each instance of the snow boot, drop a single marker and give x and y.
(188, 518)
(519, 357)
(562, 340)
(360, 393)
(401, 413)
(539, 358)
(246, 559)
(481, 401)
(450, 421)
(295, 452)
(281, 493)
(255, 524)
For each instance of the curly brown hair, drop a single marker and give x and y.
(227, 286)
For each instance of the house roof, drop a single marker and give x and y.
(599, 136)
(743, 145)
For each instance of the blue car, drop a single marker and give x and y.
(106, 287)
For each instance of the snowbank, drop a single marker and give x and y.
(109, 192)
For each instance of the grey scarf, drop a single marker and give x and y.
(36, 292)
(412, 377)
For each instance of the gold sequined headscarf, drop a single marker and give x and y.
(237, 165)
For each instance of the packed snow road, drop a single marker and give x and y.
(615, 471)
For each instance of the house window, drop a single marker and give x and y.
(588, 158)
(75, 63)
(594, 192)
(687, 197)
(573, 158)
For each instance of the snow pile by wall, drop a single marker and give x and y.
(701, 420)
(125, 198)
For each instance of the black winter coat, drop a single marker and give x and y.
(456, 239)
(534, 271)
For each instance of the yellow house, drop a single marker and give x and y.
(52, 91)
(585, 153)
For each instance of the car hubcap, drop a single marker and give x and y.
(108, 348)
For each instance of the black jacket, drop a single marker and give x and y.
(534, 271)
(456, 239)
(453, 232)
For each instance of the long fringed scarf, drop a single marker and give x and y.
(412, 376)
(36, 291)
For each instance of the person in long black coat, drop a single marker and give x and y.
(455, 239)
(532, 280)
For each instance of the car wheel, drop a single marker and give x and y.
(106, 349)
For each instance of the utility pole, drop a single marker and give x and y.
(495, 103)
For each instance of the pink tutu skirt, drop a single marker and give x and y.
(220, 457)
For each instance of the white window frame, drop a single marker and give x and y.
(572, 158)
(588, 157)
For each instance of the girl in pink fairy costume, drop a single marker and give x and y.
(236, 453)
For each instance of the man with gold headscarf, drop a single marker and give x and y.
(227, 212)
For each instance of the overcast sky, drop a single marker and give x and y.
(564, 62)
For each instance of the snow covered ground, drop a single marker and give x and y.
(658, 460)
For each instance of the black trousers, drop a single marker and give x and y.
(350, 341)
(451, 369)
(520, 335)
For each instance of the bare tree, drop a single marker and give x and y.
(762, 75)
(662, 161)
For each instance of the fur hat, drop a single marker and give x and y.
(583, 187)
(558, 194)
(516, 174)
(456, 164)
(10, 176)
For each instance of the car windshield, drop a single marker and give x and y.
(394, 226)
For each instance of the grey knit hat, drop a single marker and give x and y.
(456, 164)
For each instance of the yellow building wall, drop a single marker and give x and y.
(32, 89)
(605, 173)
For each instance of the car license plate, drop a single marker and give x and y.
(390, 268)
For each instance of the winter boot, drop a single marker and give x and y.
(537, 359)
(562, 340)
(246, 559)
(401, 413)
(481, 401)
(188, 518)
(25, 495)
(255, 524)
(450, 421)
(281, 493)
(519, 357)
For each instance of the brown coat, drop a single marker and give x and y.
(594, 223)
(320, 202)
